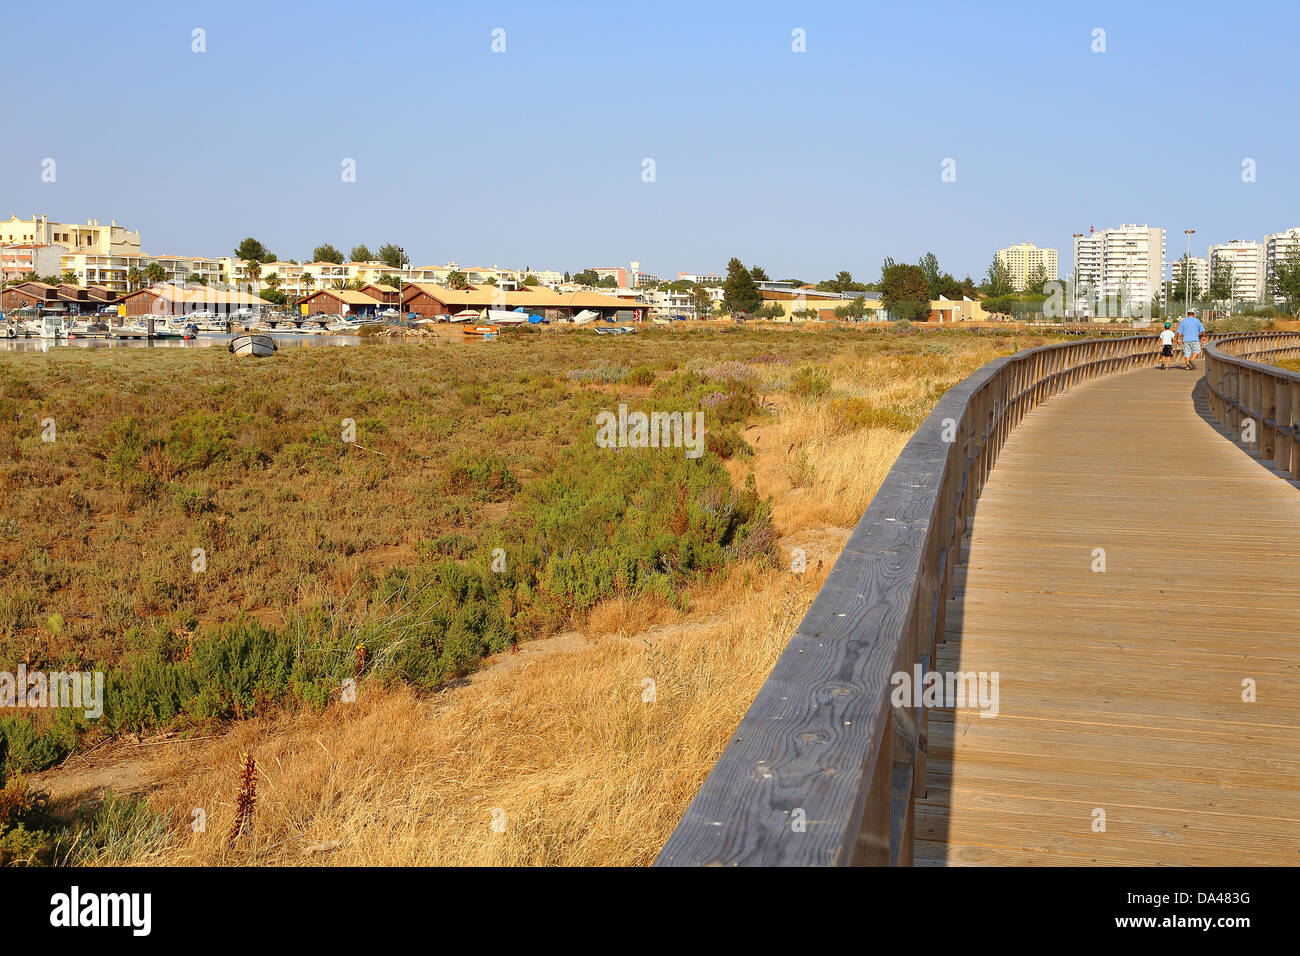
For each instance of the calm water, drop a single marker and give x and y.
(203, 341)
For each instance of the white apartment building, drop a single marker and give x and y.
(1132, 263)
(1277, 246)
(1247, 260)
(1198, 267)
(113, 271)
(1025, 258)
(92, 237)
(1087, 260)
(18, 261)
(695, 279)
(667, 303)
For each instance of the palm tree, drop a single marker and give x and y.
(133, 277)
(273, 281)
(253, 270)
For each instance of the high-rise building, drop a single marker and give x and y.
(1023, 259)
(1132, 262)
(1124, 265)
(1277, 247)
(1087, 260)
(1247, 260)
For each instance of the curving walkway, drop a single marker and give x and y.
(1122, 691)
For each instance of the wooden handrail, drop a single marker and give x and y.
(1257, 400)
(823, 769)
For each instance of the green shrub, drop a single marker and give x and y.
(641, 375)
(810, 381)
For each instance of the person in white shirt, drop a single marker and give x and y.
(1166, 346)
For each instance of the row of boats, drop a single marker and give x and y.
(111, 326)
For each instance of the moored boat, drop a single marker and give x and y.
(259, 345)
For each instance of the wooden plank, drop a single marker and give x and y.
(1121, 690)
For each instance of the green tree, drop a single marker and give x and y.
(739, 293)
(308, 280)
(586, 277)
(999, 278)
(608, 282)
(133, 279)
(1179, 291)
(905, 293)
(1221, 280)
(154, 273)
(252, 250)
(703, 301)
(392, 280)
(390, 255)
(1036, 279)
(854, 309)
(530, 279)
(456, 280)
(327, 253)
(361, 254)
(195, 279)
(929, 266)
(273, 281)
(759, 274)
(70, 277)
(252, 272)
(1286, 276)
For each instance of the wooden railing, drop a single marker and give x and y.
(823, 770)
(1258, 400)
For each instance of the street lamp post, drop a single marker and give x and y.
(1187, 268)
(401, 261)
(1074, 292)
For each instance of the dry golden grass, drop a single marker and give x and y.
(584, 770)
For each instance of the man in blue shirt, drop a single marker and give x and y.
(1190, 331)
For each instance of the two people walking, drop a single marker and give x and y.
(1190, 334)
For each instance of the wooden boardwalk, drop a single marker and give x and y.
(1121, 690)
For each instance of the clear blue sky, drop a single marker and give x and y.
(804, 163)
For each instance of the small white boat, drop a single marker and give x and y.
(206, 321)
(615, 330)
(259, 345)
(465, 315)
(501, 317)
(585, 317)
(130, 330)
(48, 326)
(345, 326)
